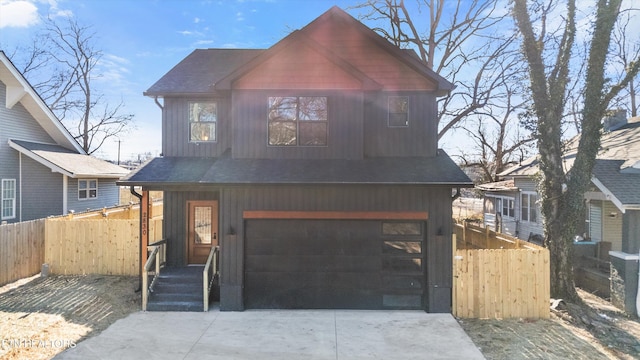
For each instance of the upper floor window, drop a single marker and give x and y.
(529, 207)
(87, 189)
(398, 111)
(8, 198)
(298, 121)
(203, 117)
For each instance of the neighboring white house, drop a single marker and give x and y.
(43, 170)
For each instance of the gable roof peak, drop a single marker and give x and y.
(19, 90)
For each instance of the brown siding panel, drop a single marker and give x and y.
(369, 58)
(298, 67)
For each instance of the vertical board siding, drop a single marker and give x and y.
(502, 283)
(375, 61)
(21, 250)
(344, 138)
(417, 139)
(435, 200)
(175, 224)
(175, 132)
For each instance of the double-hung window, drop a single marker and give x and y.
(8, 198)
(505, 207)
(203, 119)
(398, 111)
(298, 121)
(529, 207)
(87, 189)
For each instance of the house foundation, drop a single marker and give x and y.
(624, 281)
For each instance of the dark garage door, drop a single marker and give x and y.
(333, 264)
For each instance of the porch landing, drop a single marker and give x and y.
(178, 289)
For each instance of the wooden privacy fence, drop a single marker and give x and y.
(99, 242)
(501, 283)
(21, 250)
(497, 276)
(106, 246)
(471, 236)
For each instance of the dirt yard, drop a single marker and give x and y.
(40, 317)
(596, 330)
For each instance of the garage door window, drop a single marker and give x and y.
(402, 269)
(401, 228)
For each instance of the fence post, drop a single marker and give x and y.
(464, 233)
(486, 238)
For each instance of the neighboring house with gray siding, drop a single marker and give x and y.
(612, 217)
(44, 171)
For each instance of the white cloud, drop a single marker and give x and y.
(17, 14)
(197, 20)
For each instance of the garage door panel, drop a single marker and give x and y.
(277, 237)
(350, 264)
(320, 263)
(312, 291)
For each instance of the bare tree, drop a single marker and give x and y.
(548, 56)
(625, 52)
(62, 64)
(454, 43)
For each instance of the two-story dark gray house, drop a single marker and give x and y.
(314, 165)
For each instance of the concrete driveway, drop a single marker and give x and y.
(280, 334)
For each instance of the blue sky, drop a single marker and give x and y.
(144, 39)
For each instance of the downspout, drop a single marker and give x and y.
(155, 99)
(456, 195)
(134, 193)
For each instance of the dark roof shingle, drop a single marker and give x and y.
(438, 170)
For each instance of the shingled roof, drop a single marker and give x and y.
(617, 168)
(180, 171)
(65, 161)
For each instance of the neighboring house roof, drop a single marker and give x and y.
(18, 89)
(207, 70)
(438, 170)
(505, 185)
(616, 171)
(67, 162)
(621, 188)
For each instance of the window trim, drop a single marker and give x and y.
(88, 189)
(529, 208)
(502, 199)
(406, 124)
(13, 199)
(297, 121)
(191, 123)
